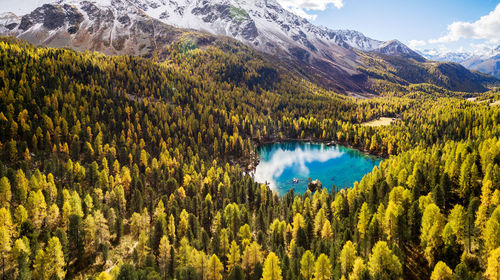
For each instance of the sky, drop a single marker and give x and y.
(446, 25)
(422, 24)
(21, 7)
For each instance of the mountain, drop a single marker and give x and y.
(111, 27)
(336, 59)
(437, 55)
(489, 64)
(264, 25)
(358, 40)
(485, 61)
(396, 48)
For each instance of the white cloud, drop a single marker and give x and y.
(268, 171)
(487, 27)
(483, 49)
(312, 4)
(301, 7)
(301, 13)
(415, 44)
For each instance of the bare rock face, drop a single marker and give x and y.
(72, 15)
(124, 20)
(211, 13)
(299, 53)
(54, 17)
(26, 23)
(249, 31)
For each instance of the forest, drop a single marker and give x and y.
(130, 168)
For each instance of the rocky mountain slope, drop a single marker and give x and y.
(111, 28)
(396, 48)
(358, 40)
(333, 58)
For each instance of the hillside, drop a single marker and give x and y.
(331, 58)
(125, 168)
(400, 71)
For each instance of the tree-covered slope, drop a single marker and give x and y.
(401, 71)
(124, 168)
(337, 60)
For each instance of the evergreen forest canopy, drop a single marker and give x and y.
(127, 168)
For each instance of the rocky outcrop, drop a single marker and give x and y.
(314, 185)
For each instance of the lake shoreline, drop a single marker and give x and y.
(317, 156)
(249, 165)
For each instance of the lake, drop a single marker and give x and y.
(288, 165)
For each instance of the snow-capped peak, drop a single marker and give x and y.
(438, 55)
(95, 2)
(396, 48)
(262, 24)
(358, 40)
(460, 55)
(141, 26)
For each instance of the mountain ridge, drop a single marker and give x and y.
(333, 58)
(486, 61)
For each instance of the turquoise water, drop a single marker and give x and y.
(281, 163)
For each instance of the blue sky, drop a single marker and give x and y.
(417, 21)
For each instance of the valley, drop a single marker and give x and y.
(89, 154)
(151, 139)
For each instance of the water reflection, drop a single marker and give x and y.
(275, 158)
(288, 165)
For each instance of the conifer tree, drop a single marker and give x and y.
(50, 262)
(432, 228)
(251, 256)
(272, 268)
(491, 233)
(441, 272)
(142, 247)
(493, 268)
(307, 263)
(347, 258)
(359, 271)
(322, 268)
(5, 192)
(233, 256)
(383, 264)
(164, 256)
(214, 269)
(363, 224)
(5, 248)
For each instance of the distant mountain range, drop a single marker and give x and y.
(486, 62)
(344, 60)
